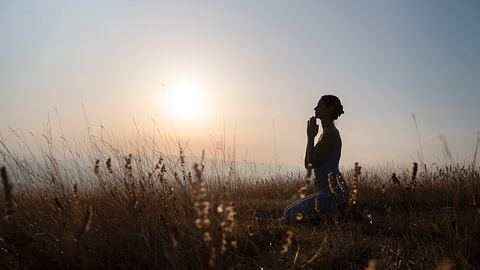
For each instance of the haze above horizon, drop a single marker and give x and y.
(251, 72)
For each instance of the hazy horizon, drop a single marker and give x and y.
(248, 72)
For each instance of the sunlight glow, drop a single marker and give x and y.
(185, 102)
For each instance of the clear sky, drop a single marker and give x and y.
(257, 69)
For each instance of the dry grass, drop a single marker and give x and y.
(152, 211)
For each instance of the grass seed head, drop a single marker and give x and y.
(372, 265)
(286, 242)
(8, 189)
(383, 188)
(96, 168)
(317, 205)
(331, 184)
(395, 180)
(413, 181)
(355, 179)
(108, 163)
(129, 166)
(340, 183)
(75, 192)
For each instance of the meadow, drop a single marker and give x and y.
(111, 208)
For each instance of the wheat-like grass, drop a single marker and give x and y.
(143, 219)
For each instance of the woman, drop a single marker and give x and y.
(331, 190)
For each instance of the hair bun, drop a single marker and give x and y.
(333, 101)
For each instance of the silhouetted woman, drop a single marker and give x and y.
(324, 158)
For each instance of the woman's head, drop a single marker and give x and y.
(330, 106)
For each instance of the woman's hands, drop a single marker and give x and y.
(312, 127)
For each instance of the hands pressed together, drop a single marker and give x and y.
(312, 127)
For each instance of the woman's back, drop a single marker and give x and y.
(329, 164)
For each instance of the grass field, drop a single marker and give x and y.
(138, 211)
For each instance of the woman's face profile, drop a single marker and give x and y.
(321, 110)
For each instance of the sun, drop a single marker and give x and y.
(185, 102)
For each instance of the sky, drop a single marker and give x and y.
(248, 71)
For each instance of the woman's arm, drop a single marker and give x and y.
(315, 155)
(312, 131)
(309, 151)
